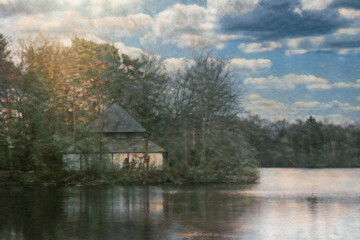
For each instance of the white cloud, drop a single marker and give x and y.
(242, 65)
(341, 106)
(289, 81)
(231, 7)
(90, 8)
(93, 38)
(306, 104)
(259, 47)
(349, 13)
(301, 45)
(67, 41)
(173, 65)
(296, 46)
(358, 98)
(40, 22)
(265, 107)
(347, 84)
(118, 8)
(172, 24)
(131, 25)
(319, 86)
(132, 52)
(347, 31)
(237, 65)
(334, 111)
(253, 96)
(4, 3)
(326, 86)
(59, 24)
(186, 26)
(63, 23)
(315, 4)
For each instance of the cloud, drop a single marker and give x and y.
(132, 52)
(282, 22)
(241, 65)
(289, 81)
(315, 4)
(236, 65)
(89, 37)
(335, 104)
(75, 23)
(186, 26)
(319, 86)
(347, 84)
(259, 47)
(88, 8)
(267, 108)
(173, 65)
(93, 38)
(334, 111)
(253, 96)
(231, 7)
(116, 8)
(306, 104)
(131, 25)
(349, 13)
(313, 24)
(302, 45)
(4, 3)
(317, 25)
(342, 41)
(355, 84)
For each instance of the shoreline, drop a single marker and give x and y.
(70, 179)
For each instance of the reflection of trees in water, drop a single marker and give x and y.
(117, 212)
(30, 213)
(113, 212)
(208, 210)
(312, 203)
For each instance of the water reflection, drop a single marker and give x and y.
(277, 208)
(30, 214)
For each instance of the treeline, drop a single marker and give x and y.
(309, 143)
(49, 99)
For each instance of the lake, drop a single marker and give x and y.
(285, 204)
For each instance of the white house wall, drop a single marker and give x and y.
(113, 160)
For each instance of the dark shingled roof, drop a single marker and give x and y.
(122, 146)
(133, 146)
(115, 119)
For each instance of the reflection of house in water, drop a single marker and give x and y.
(124, 140)
(120, 203)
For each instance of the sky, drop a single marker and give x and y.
(292, 58)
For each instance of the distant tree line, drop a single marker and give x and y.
(48, 100)
(309, 143)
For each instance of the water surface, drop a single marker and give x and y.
(286, 204)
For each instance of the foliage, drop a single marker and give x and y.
(303, 144)
(51, 98)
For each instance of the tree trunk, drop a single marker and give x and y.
(203, 142)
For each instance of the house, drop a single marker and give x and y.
(123, 140)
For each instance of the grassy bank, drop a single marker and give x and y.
(139, 176)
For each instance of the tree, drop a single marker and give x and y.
(214, 95)
(9, 106)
